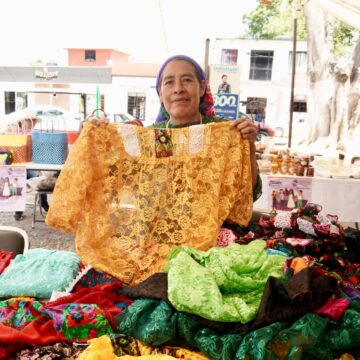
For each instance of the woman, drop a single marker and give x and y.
(186, 100)
(143, 192)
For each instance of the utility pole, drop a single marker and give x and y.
(293, 71)
(206, 62)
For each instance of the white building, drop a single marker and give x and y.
(263, 81)
(264, 71)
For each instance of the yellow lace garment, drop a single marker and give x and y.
(101, 349)
(129, 207)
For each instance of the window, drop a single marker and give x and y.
(90, 55)
(136, 105)
(15, 101)
(300, 62)
(229, 56)
(9, 102)
(255, 108)
(261, 64)
(299, 106)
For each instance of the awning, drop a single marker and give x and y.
(346, 10)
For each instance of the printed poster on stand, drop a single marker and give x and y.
(226, 105)
(288, 193)
(12, 188)
(225, 79)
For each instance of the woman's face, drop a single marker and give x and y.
(180, 91)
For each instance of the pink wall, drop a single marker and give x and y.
(76, 57)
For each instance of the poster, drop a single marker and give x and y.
(224, 79)
(226, 105)
(12, 188)
(288, 193)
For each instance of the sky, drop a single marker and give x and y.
(149, 30)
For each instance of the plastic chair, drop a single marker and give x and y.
(13, 239)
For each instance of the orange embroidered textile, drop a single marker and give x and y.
(129, 207)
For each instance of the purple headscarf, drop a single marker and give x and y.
(206, 106)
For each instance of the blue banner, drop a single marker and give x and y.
(226, 105)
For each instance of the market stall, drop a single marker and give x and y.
(283, 285)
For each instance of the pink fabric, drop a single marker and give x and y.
(298, 241)
(225, 237)
(283, 220)
(5, 258)
(333, 308)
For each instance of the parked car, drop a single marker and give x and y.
(120, 117)
(57, 118)
(300, 128)
(263, 129)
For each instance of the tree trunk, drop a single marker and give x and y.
(334, 88)
(354, 93)
(320, 57)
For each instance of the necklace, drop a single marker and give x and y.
(168, 122)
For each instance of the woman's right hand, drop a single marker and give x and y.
(102, 119)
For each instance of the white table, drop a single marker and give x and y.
(42, 167)
(339, 197)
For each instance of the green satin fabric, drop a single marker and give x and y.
(222, 284)
(154, 323)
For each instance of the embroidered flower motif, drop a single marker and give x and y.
(163, 143)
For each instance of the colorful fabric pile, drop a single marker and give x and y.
(292, 293)
(284, 287)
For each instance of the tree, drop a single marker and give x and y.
(273, 20)
(334, 85)
(334, 94)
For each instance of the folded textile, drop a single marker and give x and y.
(5, 258)
(222, 284)
(122, 347)
(282, 300)
(312, 336)
(38, 273)
(78, 317)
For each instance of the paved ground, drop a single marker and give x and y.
(42, 235)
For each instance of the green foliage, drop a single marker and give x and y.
(276, 20)
(344, 38)
(270, 21)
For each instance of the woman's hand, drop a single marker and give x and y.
(102, 119)
(246, 128)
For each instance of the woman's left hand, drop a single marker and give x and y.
(246, 128)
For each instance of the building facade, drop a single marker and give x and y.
(124, 86)
(264, 69)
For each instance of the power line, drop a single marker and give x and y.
(163, 28)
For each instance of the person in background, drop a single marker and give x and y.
(186, 100)
(224, 87)
(19, 215)
(299, 201)
(15, 186)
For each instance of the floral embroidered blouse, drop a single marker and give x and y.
(132, 193)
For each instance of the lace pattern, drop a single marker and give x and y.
(130, 140)
(128, 211)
